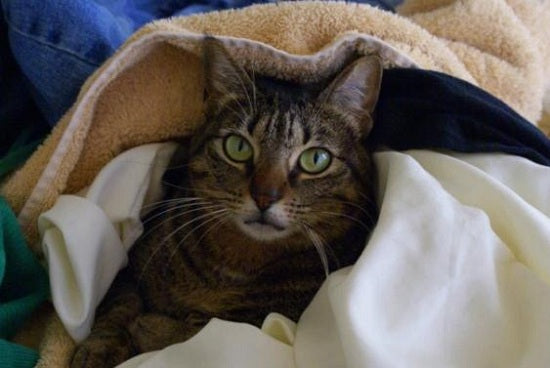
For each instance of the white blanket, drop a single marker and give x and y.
(455, 274)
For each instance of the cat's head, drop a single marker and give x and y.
(279, 158)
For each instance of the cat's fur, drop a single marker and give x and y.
(209, 251)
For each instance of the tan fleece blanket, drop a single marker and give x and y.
(151, 89)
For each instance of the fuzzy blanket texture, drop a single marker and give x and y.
(151, 89)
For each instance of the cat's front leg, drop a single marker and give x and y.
(109, 342)
(156, 331)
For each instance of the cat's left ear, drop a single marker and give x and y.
(224, 79)
(354, 93)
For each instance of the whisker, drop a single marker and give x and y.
(170, 201)
(308, 210)
(195, 228)
(190, 222)
(243, 110)
(347, 203)
(156, 226)
(368, 199)
(223, 219)
(254, 90)
(161, 244)
(241, 81)
(319, 245)
(239, 115)
(202, 206)
(343, 215)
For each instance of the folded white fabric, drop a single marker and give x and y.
(455, 274)
(456, 271)
(85, 238)
(222, 344)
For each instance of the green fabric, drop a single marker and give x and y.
(23, 287)
(16, 356)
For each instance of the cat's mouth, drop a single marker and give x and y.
(262, 223)
(263, 228)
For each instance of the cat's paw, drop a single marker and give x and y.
(155, 331)
(107, 349)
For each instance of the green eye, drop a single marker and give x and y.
(315, 160)
(237, 148)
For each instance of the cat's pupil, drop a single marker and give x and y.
(316, 158)
(241, 145)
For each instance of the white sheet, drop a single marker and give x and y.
(456, 274)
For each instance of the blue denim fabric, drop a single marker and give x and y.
(20, 119)
(59, 43)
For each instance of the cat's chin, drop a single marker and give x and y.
(262, 231)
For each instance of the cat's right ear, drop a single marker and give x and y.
(224, 79)
(354, 93)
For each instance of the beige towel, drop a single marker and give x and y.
(151, 89)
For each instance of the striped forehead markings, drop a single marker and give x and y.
(279, 129)
(290, 127)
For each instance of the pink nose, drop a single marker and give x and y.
(265, 197)
(267, 186)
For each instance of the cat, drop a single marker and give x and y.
(275, 190)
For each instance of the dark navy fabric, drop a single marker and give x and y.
(20, 119)
(420, 109)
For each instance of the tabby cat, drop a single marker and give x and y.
(271, 194)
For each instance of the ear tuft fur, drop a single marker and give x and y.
(354, 92)
(224, 79)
